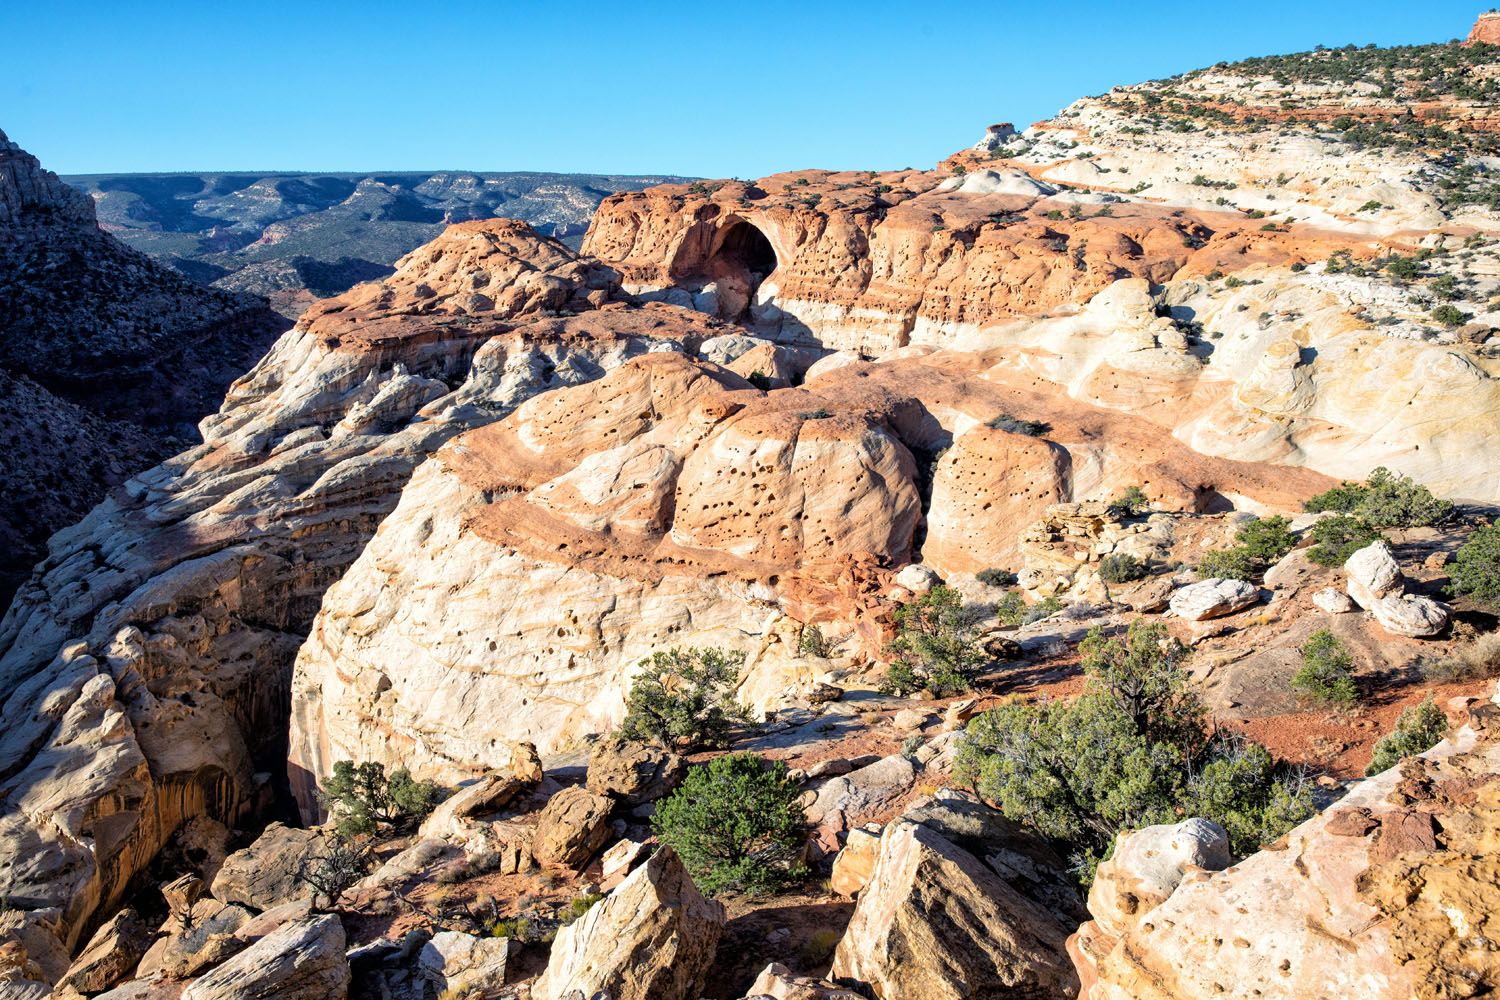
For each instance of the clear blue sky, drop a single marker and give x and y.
(710, 89)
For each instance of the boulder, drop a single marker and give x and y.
(652, 938)
(491, 793)
(1148, 865)
(856, 860)
(574, 824)
(1147, 596)
(633, 771)
(1333, 600)
(264, 874)
(110, 956)
(777, 982)
(618, 861)
(934, 922)
(1373, 573)
(457, 964)
(917, 578)
(865, 792)
(303, 960)
(195, 936)
(1411, 615)
(1212, 598)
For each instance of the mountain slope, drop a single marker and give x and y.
(297, 237)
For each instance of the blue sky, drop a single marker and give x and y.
(704, 89)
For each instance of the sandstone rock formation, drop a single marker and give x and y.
(1375, 897)
(651, 938)
(634, 772)
(936, 922)
(264, 874)
(572, 827)
(302, 961)
(1212, 598)
(147, 665)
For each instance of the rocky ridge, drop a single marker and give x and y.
(107, 359)
(452, 510)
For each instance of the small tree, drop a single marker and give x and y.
(736, 824)
(1134, 749)
(1267, 539)
(367, 800)
(937, 643)
(1476, 567)
(332, 870)
(683, 699)
(1325, 673)
(1337, 538)
(1121, 567)
(1385, 500)
(1228, 564)
(1129, 504)
(1419, 728)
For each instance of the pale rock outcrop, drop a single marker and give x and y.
(935, 922)
(1361, 900)
(454, 818)
(147, 665)
(264, 874)
(458, 964)
(1212, 598)
(1146, 867)
(1373, 573)
(572, 827)
(303, 960)
(1411, 615)
(651, 938)
(634, 772)
(855, 861)
(1333, 601)
(777, 982)
(110, 956)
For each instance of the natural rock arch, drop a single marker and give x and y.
(739, 257)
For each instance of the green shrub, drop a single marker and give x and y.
(1011, 609)
(1015, 425)
(995, 577)
(1260, 543)
(1229, 564)
(936, 641)
(1419, 728)
(1045, 608)
(1475, 571)
(1267, 539)
(736, 825)
(1385, 500)
(1450, 315)
(1325, 673)
(1337, 538)
(365, 800)
(1121, 567)
(1136, 748)
(1129, 504)
(683, 699)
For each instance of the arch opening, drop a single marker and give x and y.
(740, 259)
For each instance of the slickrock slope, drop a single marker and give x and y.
(107, 359)
(532, 562)
(148, 663)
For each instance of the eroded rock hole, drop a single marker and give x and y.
(741, 259)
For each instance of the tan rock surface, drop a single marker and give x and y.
(651, 938)
(1361, 900)
(302, 961)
